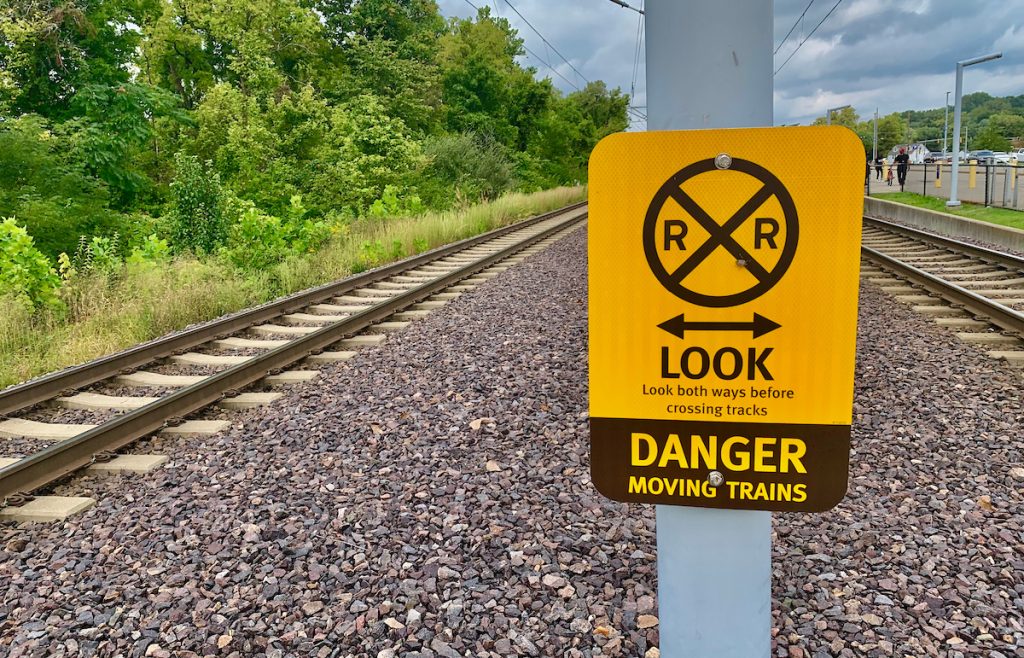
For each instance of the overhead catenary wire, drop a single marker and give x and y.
(809, 35)
(636, 56)
(628, 6)
(546, 42)
(795, 23)
(546, 63)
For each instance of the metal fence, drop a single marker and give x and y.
(988, 183)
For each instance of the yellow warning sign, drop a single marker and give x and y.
(723, 311)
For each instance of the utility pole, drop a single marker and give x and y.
(960, 66)
(709, 65)
(945, 127)
(874, 148)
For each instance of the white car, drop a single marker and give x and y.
(1018, 156)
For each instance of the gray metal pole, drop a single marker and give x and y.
(945, 127)
(709, 65)
(954, 201)
(954, 175)
(874, 148)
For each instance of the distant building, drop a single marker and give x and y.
(917, 152)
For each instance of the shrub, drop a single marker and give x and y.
(25, 273)
(465, 166)
(152, 250)
(197, 216)
(258, 240)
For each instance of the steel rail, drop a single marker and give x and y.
(990, 311)
(989, 255)
(43, 388)
(56, 461)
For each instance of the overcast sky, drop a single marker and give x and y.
(890, 54)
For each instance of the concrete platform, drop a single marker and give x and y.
(234, 343)
(97, 401)
(47, 508)
(197, 428)
(1015, 357)
(987, 337)
(197, 359)
(146, 379)
(281, 330)
(961, 323)
(130, 464)
(330, 357)
(249, 400)
(31, 429)
(289, 377)
(388, 327)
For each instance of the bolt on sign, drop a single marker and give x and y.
(723, 281)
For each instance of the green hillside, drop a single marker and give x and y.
(987, 123)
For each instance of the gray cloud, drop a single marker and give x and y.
(890, 54)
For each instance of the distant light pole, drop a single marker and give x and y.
(954, 202)
(874, 148)
(829, 111)
(945, 127)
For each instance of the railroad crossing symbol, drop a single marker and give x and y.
(665, 234)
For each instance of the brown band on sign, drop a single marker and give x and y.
(765, 466)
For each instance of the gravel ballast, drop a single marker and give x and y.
(431, 497)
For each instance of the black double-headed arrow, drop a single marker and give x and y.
(678, 326)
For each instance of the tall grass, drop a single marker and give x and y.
(109, 312)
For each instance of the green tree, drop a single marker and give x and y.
(51, 49)
(990, 138)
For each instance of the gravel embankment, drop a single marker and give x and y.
(431, 497)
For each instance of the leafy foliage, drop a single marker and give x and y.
(197, 216)
(25, 273)
(246, 132)
(258, 240)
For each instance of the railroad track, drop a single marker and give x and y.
(254, 347)
(975, 291)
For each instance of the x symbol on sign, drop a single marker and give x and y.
(720, 235)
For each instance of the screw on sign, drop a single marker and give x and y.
(674, 232)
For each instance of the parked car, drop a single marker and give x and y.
(980, 156)
(1001, 157)
(1017, 155)
(934, 156)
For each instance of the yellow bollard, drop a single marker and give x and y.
(1013, 176)
(972, 179)
(938, 175)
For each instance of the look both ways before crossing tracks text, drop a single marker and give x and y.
(723, 316)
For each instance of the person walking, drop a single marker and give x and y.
(878, 168)
(902, 165)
